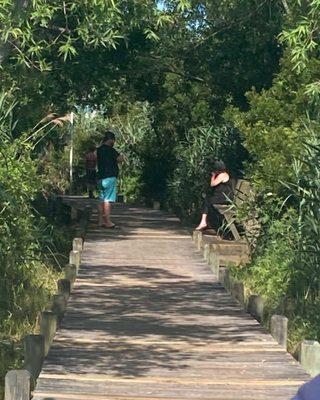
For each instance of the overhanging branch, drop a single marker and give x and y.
(19, 7)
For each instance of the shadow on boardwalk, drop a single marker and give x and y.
(148, 321)
(176, 314)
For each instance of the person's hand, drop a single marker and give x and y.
(120, 158)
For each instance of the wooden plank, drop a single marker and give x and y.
(225, 391)
(225, 395)
(88, 379)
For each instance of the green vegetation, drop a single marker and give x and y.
(281, 134)
(31, 248)
(181, 82)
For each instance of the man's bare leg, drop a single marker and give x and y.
(104, 214)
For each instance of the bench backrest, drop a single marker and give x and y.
(242, 190)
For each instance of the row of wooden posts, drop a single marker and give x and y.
(309, 351)
(18, 383)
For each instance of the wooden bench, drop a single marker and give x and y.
(242, 190)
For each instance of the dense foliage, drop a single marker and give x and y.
(31, 248)
(181, 83)
(281, 133)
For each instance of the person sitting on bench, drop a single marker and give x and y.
(221, 192)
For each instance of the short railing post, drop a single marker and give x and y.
(17, 385)
(84, 222)
(214, 261)
(279, 329)
(79, 231)
(226, 280)
(230, 282)
(64, 288)
(48, 326)
(197, 238)
(206, 251)
(75, 258)
(310, 356)
(77, 244)
(156, 205)
(222, 276)
(59, 305)
(70, 273)
(73, 214)
(33, 354)
(238, 292)
(255, 307)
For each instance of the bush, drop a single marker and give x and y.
(193, 167)
(285, 267)
(272, 268)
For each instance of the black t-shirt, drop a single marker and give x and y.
(107, 162)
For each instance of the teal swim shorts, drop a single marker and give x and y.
(108, 189)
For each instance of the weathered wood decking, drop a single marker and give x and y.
(147, 320)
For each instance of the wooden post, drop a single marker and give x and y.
(64, 288)
(206, 252)
(156, 205)
(74, 214)
(77, 244)
(310, 356)
(222, 276)
(87, 212)
(59, 305)
(200, 241)
(71, 153)
(33, 354)
(79, 231)
(17, 385)
(238, 292)
(70, 273)
(75, 258)
(230, 281)
(48, 326)
(226, 282)
(255, 307)
(197, 238)
(86, 218)
(279, 329)
(214, 261)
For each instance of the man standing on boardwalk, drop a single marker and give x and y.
(108, 159)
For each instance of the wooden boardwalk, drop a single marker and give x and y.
(147, 320)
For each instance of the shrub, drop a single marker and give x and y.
(193, 168)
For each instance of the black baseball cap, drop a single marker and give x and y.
(109, 135)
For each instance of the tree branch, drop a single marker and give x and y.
(286, 7)
(5, 47)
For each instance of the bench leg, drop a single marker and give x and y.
(232, 227)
